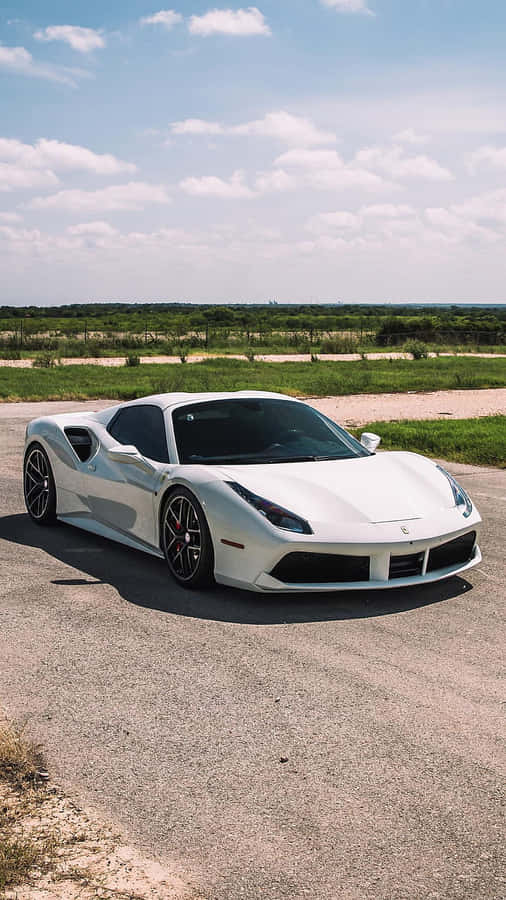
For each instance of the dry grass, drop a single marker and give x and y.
(21, 773)
(21, 760)
(51, 848)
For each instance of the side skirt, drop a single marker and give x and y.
(112, 534)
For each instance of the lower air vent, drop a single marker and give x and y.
(452, 553)
(80, 439)
(406, 566)
(321, 568)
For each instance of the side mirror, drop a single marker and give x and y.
(127, 453)
(370, 441)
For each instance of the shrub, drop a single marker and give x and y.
(45, 360)
(93, 349)
(417, 349)
(339, 344)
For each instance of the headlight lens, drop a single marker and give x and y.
(277, 515)
(461, 497)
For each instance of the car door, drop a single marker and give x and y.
(121, 494)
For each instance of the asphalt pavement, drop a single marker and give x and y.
(170, 711)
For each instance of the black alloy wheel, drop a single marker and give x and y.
(39, 487)
(186, 540)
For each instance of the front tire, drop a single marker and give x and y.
(186, 540)
(38, 485)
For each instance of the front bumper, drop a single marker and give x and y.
(266, 582)
(257, 569)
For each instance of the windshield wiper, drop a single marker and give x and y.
(237, 460)
(264, 460)
(322, 458)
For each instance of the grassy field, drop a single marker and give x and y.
(318, 379)
(481, 442)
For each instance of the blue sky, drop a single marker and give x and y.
(300, 149)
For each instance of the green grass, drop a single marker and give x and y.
(481, 442)
(299, 379)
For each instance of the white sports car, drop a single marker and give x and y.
(250, 489)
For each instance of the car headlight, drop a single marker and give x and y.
(461, 497)
(276, 514)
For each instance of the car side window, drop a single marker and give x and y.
(144, 427)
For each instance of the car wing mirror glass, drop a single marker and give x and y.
(370, 441)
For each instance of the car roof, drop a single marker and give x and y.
(171, 401)
(165, 401)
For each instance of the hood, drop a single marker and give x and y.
(386, 487)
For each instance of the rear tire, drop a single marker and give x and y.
(186, 540)
(38, 485)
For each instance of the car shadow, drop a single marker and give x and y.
(144, 581)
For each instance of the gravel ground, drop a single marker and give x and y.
(349, 410)
(171, 711)
(114, 361)
(362, 408)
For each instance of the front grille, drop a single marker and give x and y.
(321, 568)
(406, 566)
(452, 553)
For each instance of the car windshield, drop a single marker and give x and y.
(250, 430)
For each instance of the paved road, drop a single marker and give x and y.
(171, 710)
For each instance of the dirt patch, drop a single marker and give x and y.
(116, 361)
(50, 847)
(351, 410)
(355, 410)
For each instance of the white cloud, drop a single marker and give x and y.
(165, 17)
(274, 181)
(212, 186)
(348, 6)
(342, 220)
(94, 228)
(21, 235)
(280, 125)
(21, 62)
(393, 162)
(237, 22)
(196, 126)
(58, 155)
(346, 178)
(134, 195)
(410, 136)
(319, 169)
(15, 177)
(490, 207)
(326, 170)
(457, 228)
(376, 218)
(84, 40)
(487, 156)
(310, 159)
(284, 126)
(387, 210)
(10, 217)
